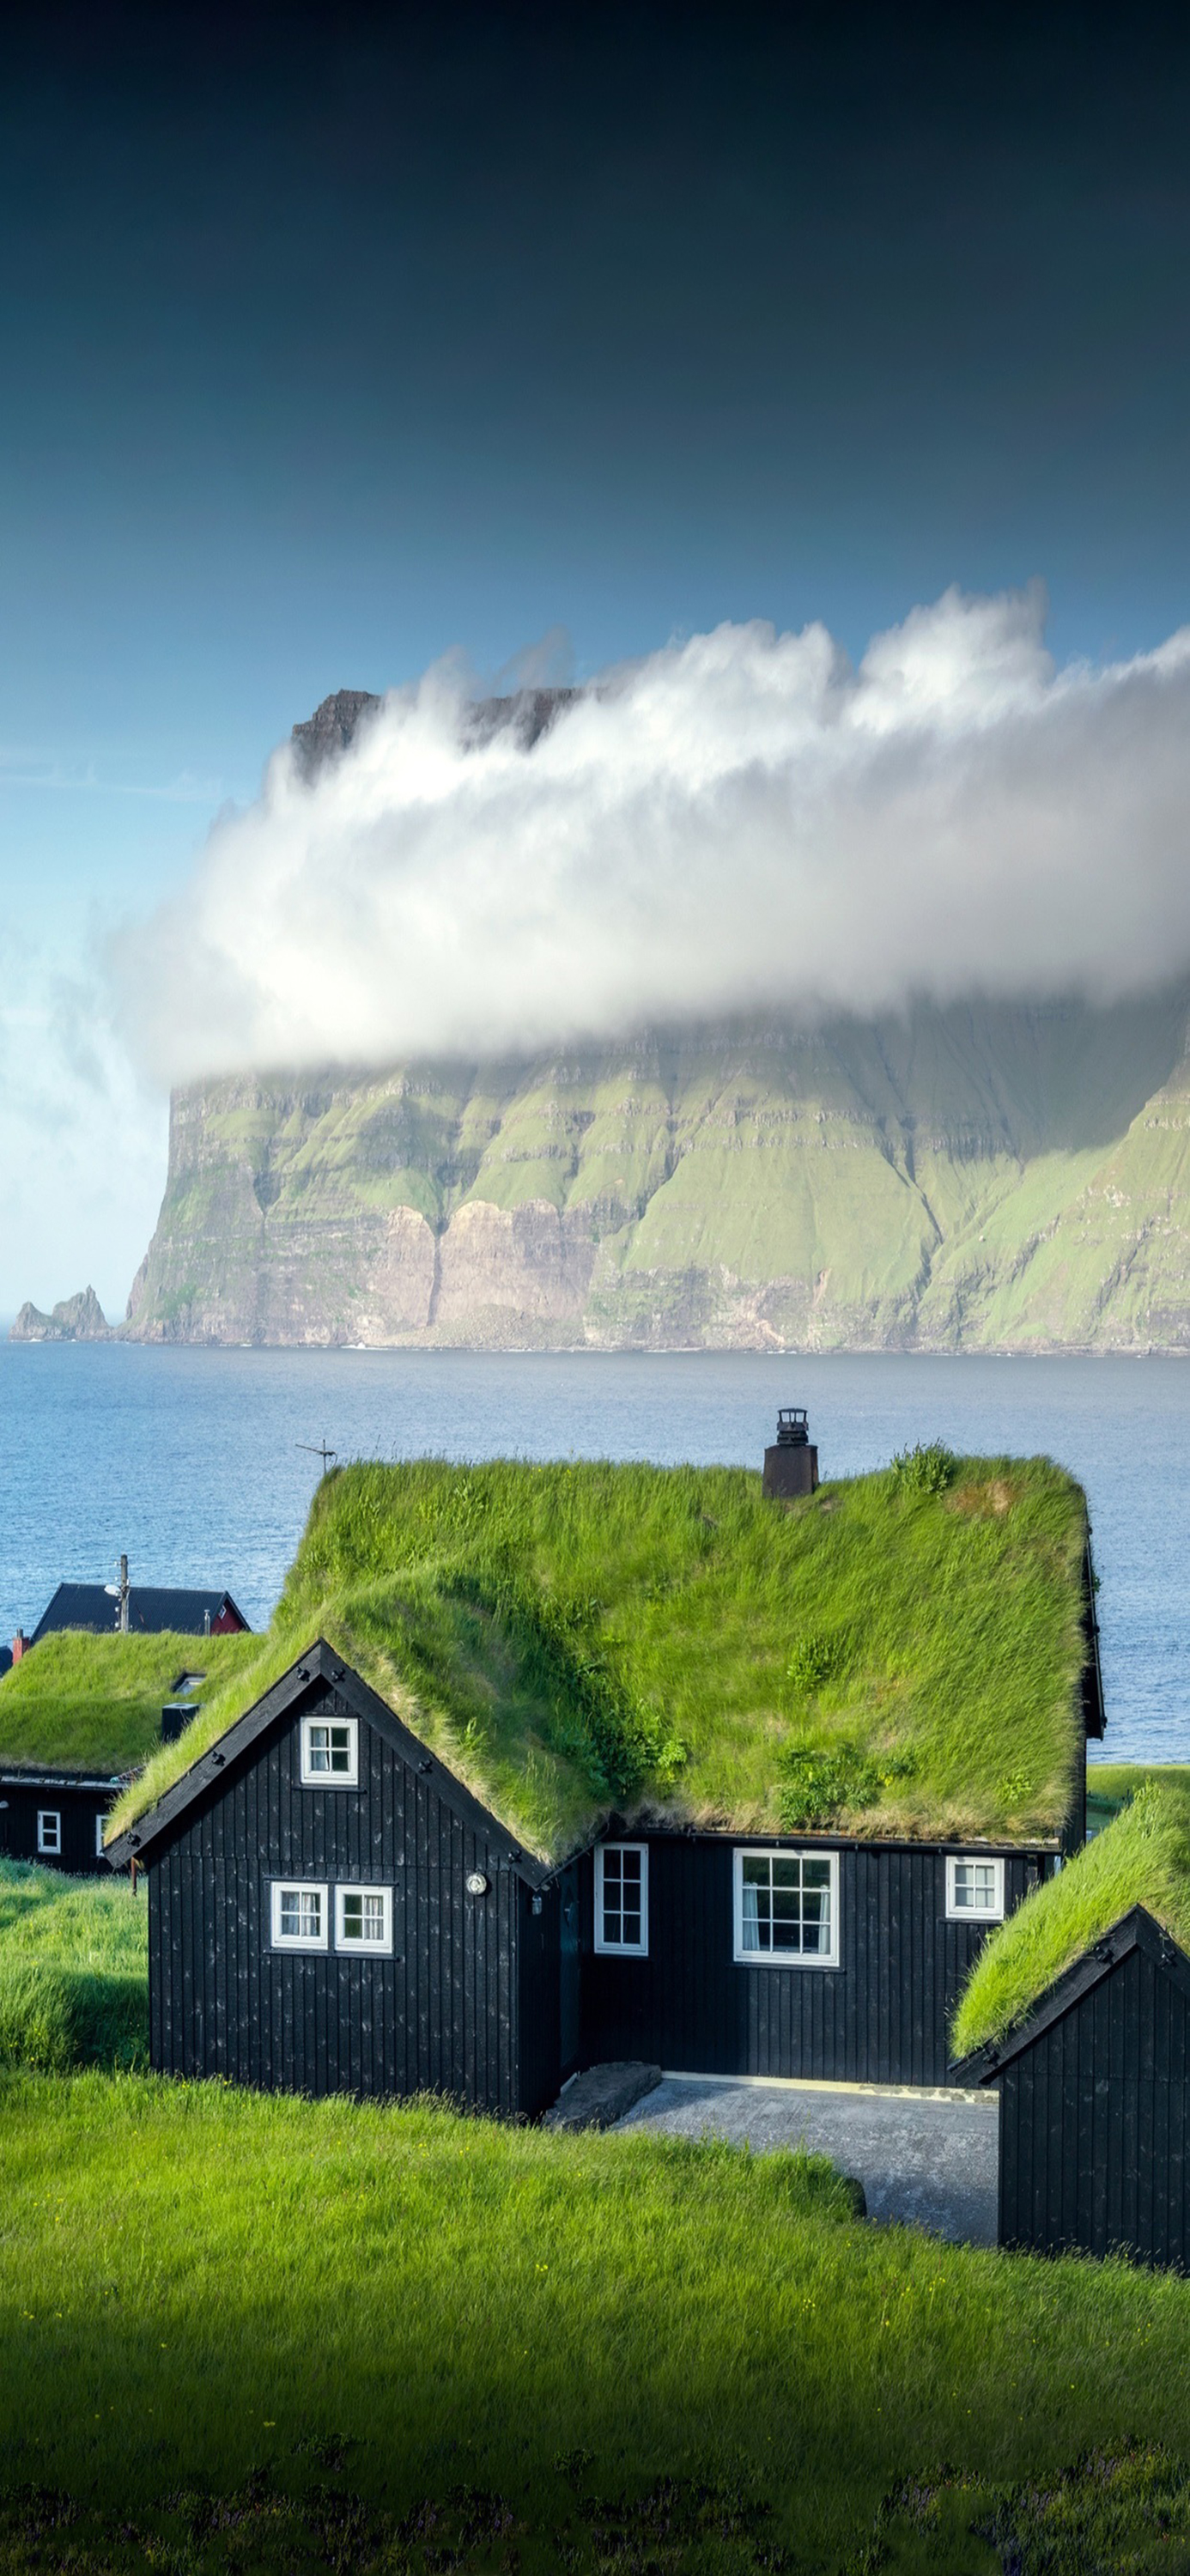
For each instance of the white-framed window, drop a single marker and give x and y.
(364, 1920)
(300, 1914)
(100, 1822)
(974, 1888)
(622, 1898)
(787, 1909)
(49, 1831)
(330, 1752)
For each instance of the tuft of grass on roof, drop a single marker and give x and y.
(1141, 1858)
(88, 1703)
(74, 1969)
(587, 1639)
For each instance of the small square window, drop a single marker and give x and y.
(49, 1830)
(364, 1919)
(974, 1888)
(787, 1908)
(299, 1915)
(622, 1898)
(330, 1752)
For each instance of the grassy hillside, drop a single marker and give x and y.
(580, 1639)
(979, 1177)
(1141, 1858)
(1113, 1784)
(94, 1703)
(74, 1967)
(482, 2348)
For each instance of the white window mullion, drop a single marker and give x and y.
(786, 1906)
(364, 1921)
(330, 1752)
(622, 1899)
(299, 1912)
(974, 1887)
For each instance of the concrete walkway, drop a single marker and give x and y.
(928, 2158)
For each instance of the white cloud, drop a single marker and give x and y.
(82, 1150)
(740, 820)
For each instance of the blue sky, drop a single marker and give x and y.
(329, 348)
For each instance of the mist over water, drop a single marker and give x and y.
(189, 1459)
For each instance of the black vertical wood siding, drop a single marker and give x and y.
(880, 2017)
(442, 2014)
(1093, 2123)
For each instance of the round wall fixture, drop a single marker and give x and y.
(477, 1884)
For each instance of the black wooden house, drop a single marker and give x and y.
(331, 1909)
(56, 1815)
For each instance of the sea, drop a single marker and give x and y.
(200, 1464)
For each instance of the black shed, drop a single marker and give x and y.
(330, 1909)
(1095, 2104)
(56, 1815)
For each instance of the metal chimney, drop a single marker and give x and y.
(123, 1596)
(791, 1465)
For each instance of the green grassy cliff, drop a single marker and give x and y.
(994, 1177)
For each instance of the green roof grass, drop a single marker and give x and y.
(1141, 1858)
(78, 1702)
(580, 1640)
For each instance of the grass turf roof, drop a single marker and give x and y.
(586, 1639)
(78, 1702)
(1141, 1858)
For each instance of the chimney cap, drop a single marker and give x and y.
(793, 1427)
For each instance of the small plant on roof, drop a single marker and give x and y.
(812, 1662)
(927, 1469)
(820, 1783)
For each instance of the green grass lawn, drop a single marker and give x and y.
(1112, 1784)
(205, 2291)
(94, 1703)
(74, 1970)
(576, 1639)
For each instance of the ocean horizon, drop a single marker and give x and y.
(199, 1463)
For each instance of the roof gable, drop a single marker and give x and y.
(1136, 1930)
(152, 1609)
(311, 1673)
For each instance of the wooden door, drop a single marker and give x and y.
(571, 1971)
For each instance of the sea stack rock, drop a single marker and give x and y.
(75, 1319)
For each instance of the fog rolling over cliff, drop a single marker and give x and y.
(993, 1175)
(976, 1178)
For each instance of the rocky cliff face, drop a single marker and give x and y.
(984, 1178)
(75, 1319)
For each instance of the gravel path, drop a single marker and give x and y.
(931, 2160)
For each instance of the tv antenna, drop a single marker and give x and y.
(318, 1449)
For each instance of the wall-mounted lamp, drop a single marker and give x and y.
(477, 1884)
